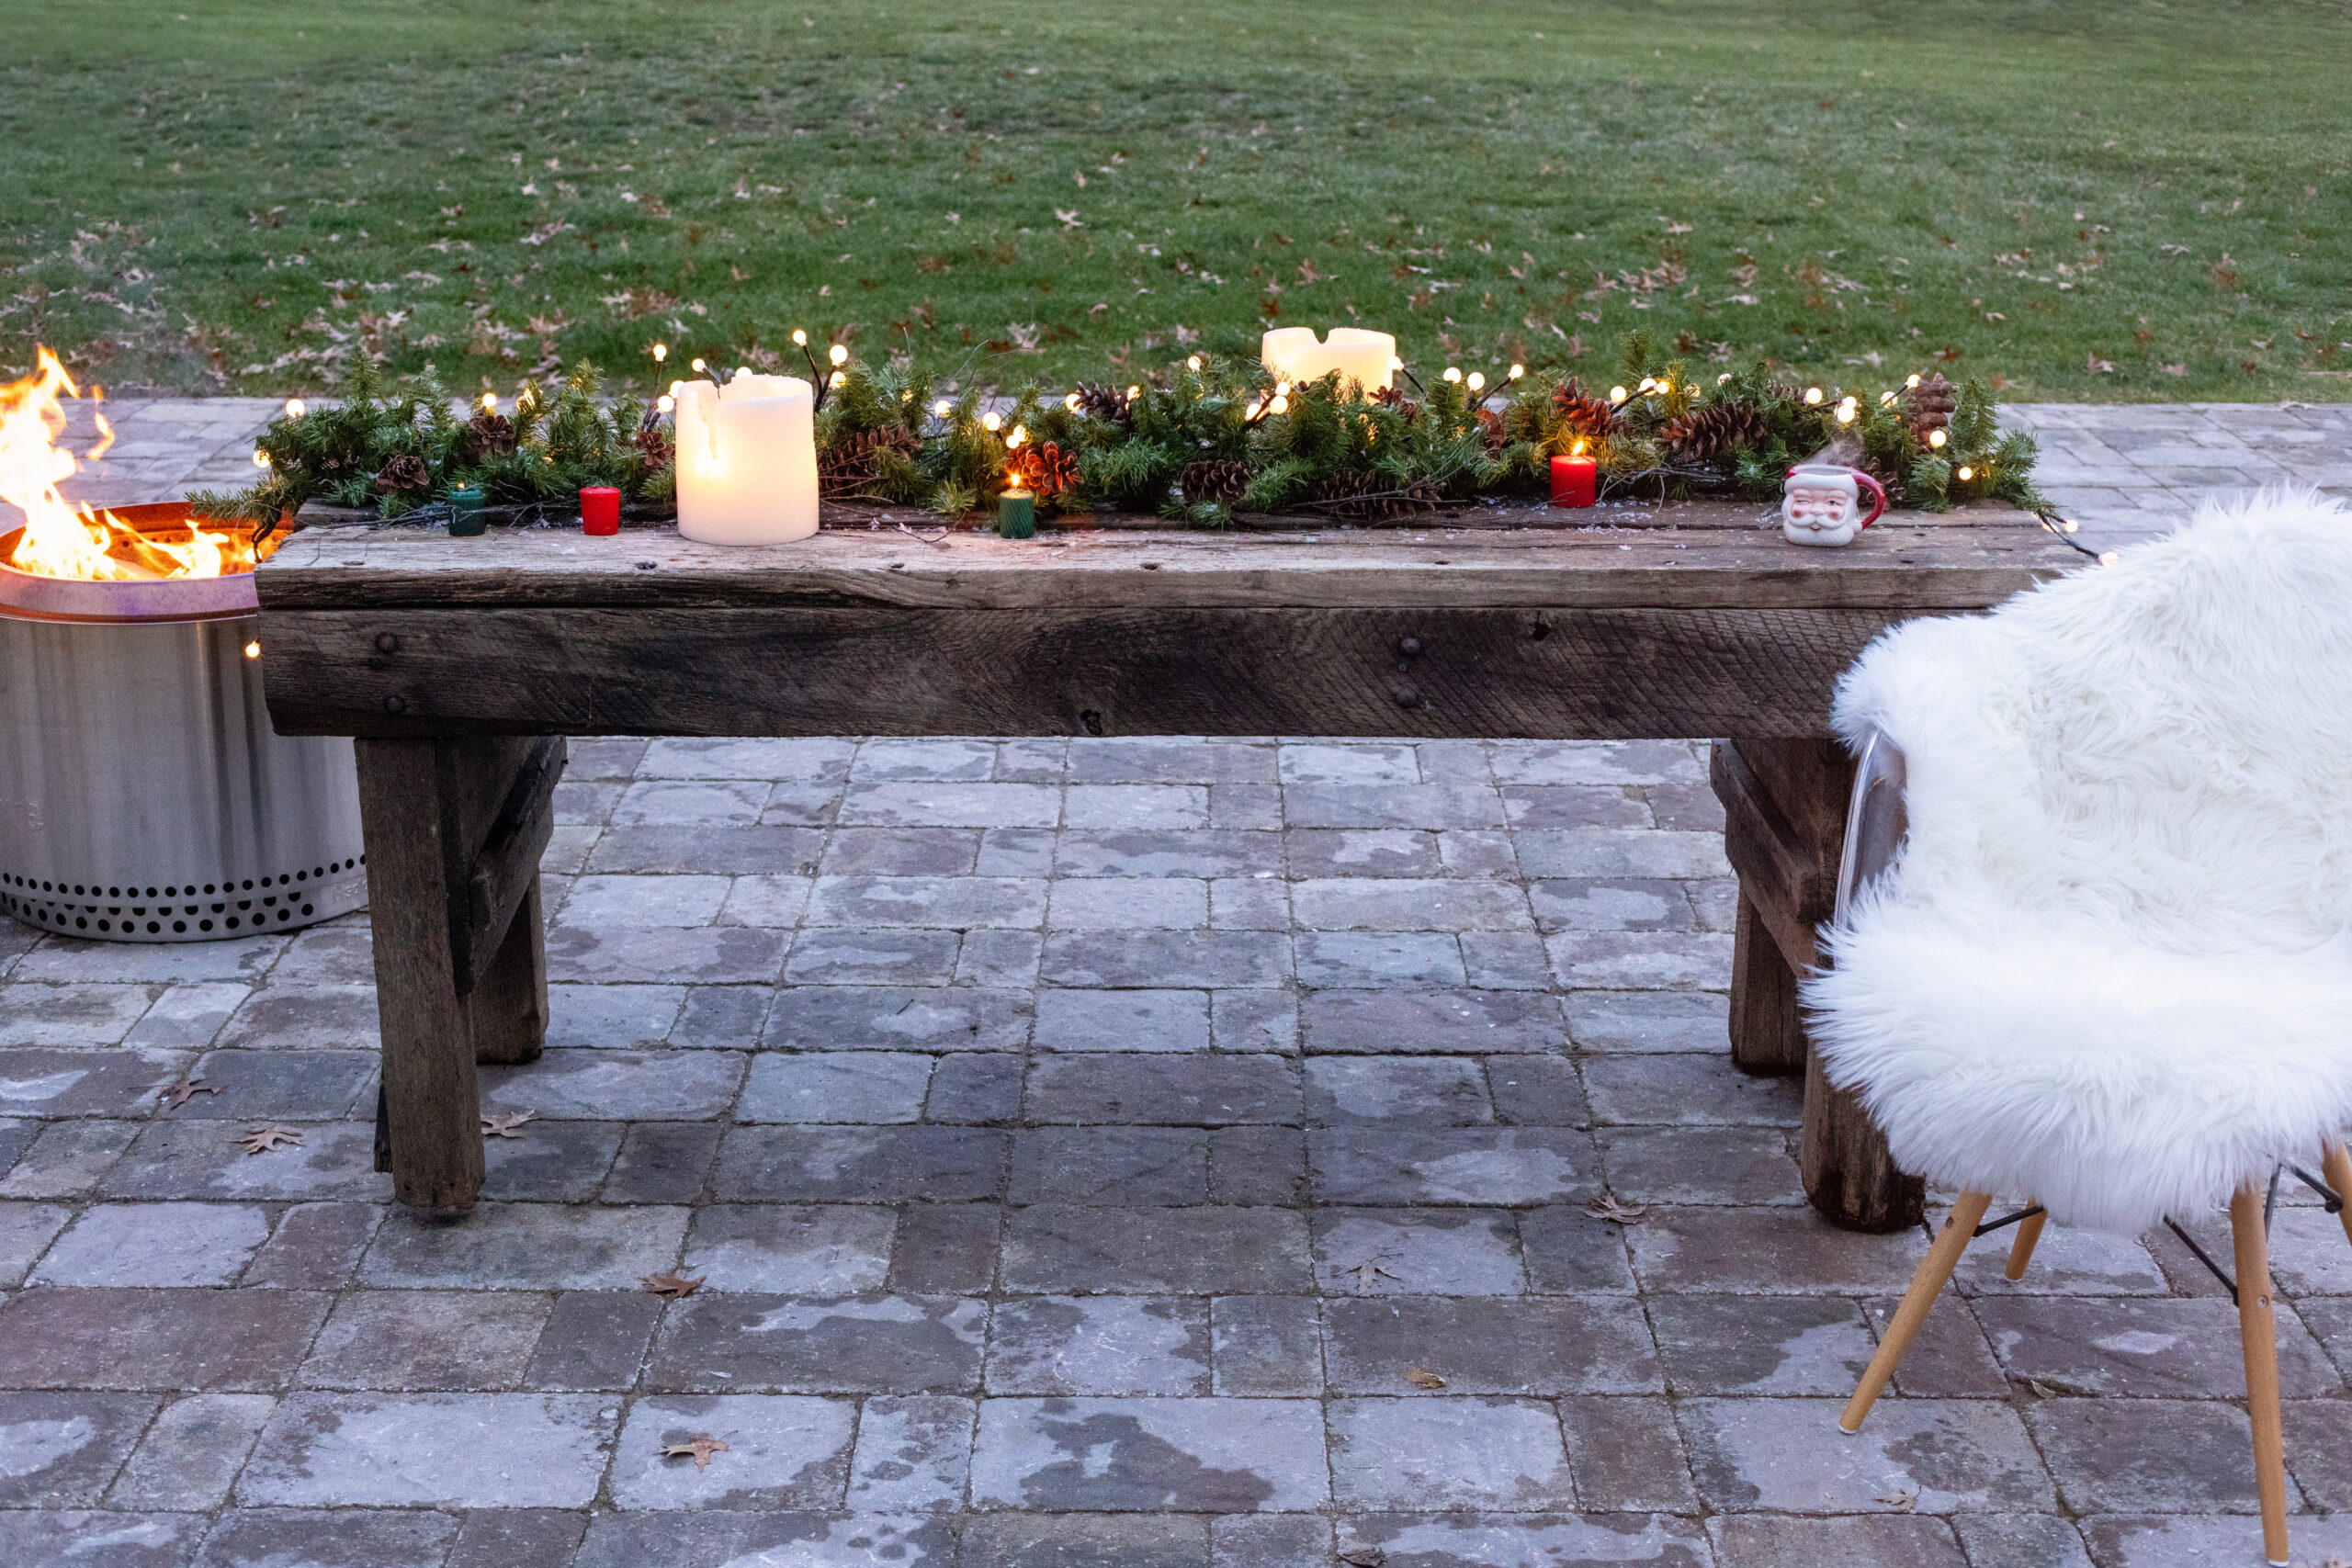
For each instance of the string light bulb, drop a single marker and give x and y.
(1517, 371)
(701, 366)
(1846, 413)
(252, 650)
(837, 354)
(1724, 378)
(261, 459)
(1477, 383)
(1193, 362)
(800, 338)
(2109, 558)
(1884, 399)
(839, 377)
(1020, 433)
(1966, 472)
(1649, 384)
(664, 403)
(1134, 393)
(490, 402)
(1936, 438)
(1282, 388)
(1251, 413)
(1616, 394)
(1071, 402)
(1395, 364)
(1280, 405)
(1911, 380)
(942, 408)
(1812, 397)
(661, 352)
(991, 422)
(1453, 373)
(293, 408)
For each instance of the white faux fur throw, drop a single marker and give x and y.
(2111, 971)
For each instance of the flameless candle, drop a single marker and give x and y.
(1360, 357)
(465, 513)
(746, 459)
(600, 509)
(1574, 477)
(1016, 514)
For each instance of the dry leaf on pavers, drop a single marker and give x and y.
(1422, 1377)
(188, 1089)
(1367, 1274)
(2041, 1390)
(698, 1447)
(261, 1140)
(1363, 1557)
(1608, 1208)
(505, 1126)
(674, 1285)
(1902, 1499)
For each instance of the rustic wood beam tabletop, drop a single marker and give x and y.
(1622, 621)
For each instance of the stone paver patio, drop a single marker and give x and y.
(1106, 1152)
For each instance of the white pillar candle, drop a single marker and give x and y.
(1362, 357)
(746, 459)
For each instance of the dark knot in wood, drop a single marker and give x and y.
(386, 643)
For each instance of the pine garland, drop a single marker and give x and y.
(1206, 440)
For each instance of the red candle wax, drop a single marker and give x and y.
(600, 510)
(1574, 480)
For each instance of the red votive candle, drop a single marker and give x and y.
(1574, 480)
(600, 508)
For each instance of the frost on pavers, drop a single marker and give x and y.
(59, 1450)
(1454, 1165)
(1427, 1455)
(1396, 1021)
(852, 1165)
(2070, 1262)
(1486, 1540)
(2159, 1456)
(1428, 1347)
(2146, 1346)
(1164, 959)
(1768, 1251)
(2192, 1541)
(897, 1018)
(527, 1246)
(1912, 1456)
(461, 1450)
(1452, 1252)
(781, 1452)
(873, 1344)
(25, 1229)
(736, 1539)
(707, 955)
(1423, 1090)
(637, 1086)
(1100, 1344)
(155, 1243)
(190, 1457)
(440, 1340)
(202, 1158)
(1148, 1020)
(1207, 1249)
(57, 1082)
(81, 1536)
(830, 1249)
(1121, 1455)
(1785, 1345)
(1884, 1540)
(914, 1455)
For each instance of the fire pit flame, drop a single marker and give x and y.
(60, 541)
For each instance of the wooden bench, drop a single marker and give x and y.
(459, 664)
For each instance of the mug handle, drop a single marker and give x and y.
(1878, 494)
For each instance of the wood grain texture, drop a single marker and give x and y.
(1791, 880)
(1942, 565)
(1848, 1176)
(1561, 674)
(1767, 1027)
(505, 866)
(509, 1006)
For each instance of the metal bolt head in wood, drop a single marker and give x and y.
(1408, 646)
(387, 642)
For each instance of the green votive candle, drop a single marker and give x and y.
(1016, 515)
(465, 512)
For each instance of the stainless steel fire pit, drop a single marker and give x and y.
(143, 795)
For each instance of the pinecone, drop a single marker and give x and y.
(1106, 403)
(404, 475)
(1045, 468)
(1888, 472)
(853, 462)
(1582, 415)
(1356, 494)
(1395, 397)
(1712, 432)
(1214, 480)
(488, 435)
(655, 444)
(1929, 406)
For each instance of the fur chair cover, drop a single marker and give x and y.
(2111, 970)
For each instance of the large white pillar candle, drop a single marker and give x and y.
(1360, 357)
(746, 459)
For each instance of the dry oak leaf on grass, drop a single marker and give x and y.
(188, 1089)
(508, 1126)
(698, 1447)
(674, 1285)
(261, 1140)
(1607, 1207)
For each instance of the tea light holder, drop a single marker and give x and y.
(465, 513)
(600, 510)
(1016, 514)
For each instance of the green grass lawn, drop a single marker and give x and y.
(2093, 199)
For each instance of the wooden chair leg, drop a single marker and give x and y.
(2260, 1339)
(1935, 1271)
(2336, 1167)
(2021, 1251)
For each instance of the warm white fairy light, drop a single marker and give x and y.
(992, 422)
(1846, 413)
(1966, 472)
(252, 650)
(661, 352)
(1395, 364)
(664, 403)
(800, 338)
(261, 459)
(1884, 399)
(1936, 439)
(1517, 371)
(942, 408)
(1280, 405)
(838, 378)
(1724, 378)
(700, 367)
(1812, 397)
(490, 402)
(1134, 393)
(837, 354)
(2109, 558)
(1282, 388)
(1649, 384)
(1476, 382)
(293, 408)
(1020, 433)
(1071, 402)
(1911, 380)
(1193, 362)
(1453, 373)
(1616, 394)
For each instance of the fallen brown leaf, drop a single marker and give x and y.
(1363, 1557)
(674, 1285)
(261, 1140)
(188, 1089)
(1422, 1377)
(1607, 1207)
(698, 1447)
(1902, 1499)
(1368, 1274)
(508, 1126)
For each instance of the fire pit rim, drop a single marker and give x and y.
(29, 595)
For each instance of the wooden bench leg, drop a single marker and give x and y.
(1767, 1029)
(455, 828)
(1849, 1174)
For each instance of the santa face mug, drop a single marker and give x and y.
(1822, 504)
